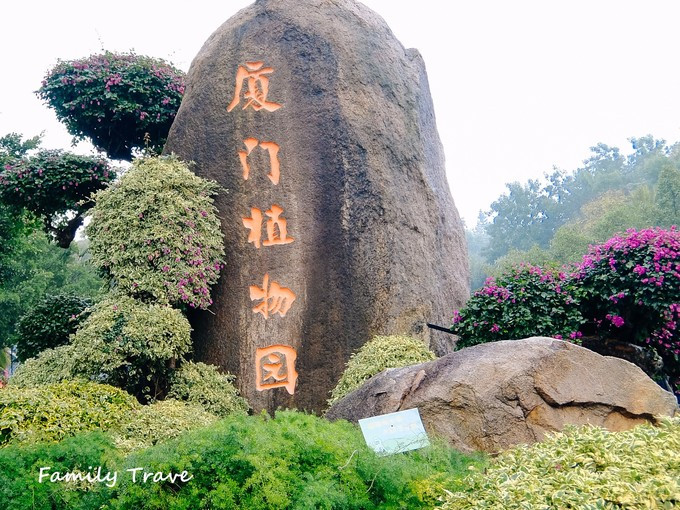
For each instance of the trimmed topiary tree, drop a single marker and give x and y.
(376, 355)
(49, 324)
(131, 345)
(119, 101)
(53, 183)
(156, 234)
(203, 385)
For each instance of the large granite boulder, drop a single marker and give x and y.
(493, 396)
(338, 220)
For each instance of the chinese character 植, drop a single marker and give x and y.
(277, 227)
(275, 299)
(275, 368)
(258, 87)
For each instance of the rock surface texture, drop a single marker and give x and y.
(493, 396)
(311, 112)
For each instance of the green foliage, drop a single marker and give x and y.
(52, 183)
(585, 467)
(115, 99)
(145, 426)
(531, 214)
(49, 324)
(131, 345)
(203, 385)
(376, 355)
(523, 302)
(668, 195)
(38, 268)
(20, 467)
(49, 367)
(157, 235)
(13, 148)
(291, 461)
(53, 412)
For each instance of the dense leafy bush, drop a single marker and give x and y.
(53, 412)
(157, 235)
(148, 425)
(131, 345)
(526, 301)
(292, 461)
(49, 324)
(203, 385)
(629, 288)
(584, 467)
(52, 183)
(20, 467)
(376, 355)
(243, 462)
(49, 367)
(115, 99)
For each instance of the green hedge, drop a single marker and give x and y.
(294, 461)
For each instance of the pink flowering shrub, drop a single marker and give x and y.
(52, 183)
(114, 100)
(526, 301)
(629, 289)
(156, 234)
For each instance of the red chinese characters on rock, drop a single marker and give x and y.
(275, 368)
(274, 365)
(258, 87)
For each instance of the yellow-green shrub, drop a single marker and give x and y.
(203, 385)
(148, 425)
(376, 355)
(586, 467)
(53, 412)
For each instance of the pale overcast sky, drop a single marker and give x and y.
(518, 86)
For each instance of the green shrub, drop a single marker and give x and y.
(49, 367)
(20, 468)
(523, 302)
(203, 385)
(585, 467)
(49, 324)
(376, 355)
(156, 234)
(148, 425)
(53, 412)
(131, 345)
(292, 461)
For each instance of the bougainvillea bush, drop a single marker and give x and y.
(156, 234)
(52, 183)
(629, 289)
(115, 100)
(526, 301)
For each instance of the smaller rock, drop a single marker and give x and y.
(493, 396)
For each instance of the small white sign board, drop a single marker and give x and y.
(394, 432)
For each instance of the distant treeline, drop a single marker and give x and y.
(551, 221)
